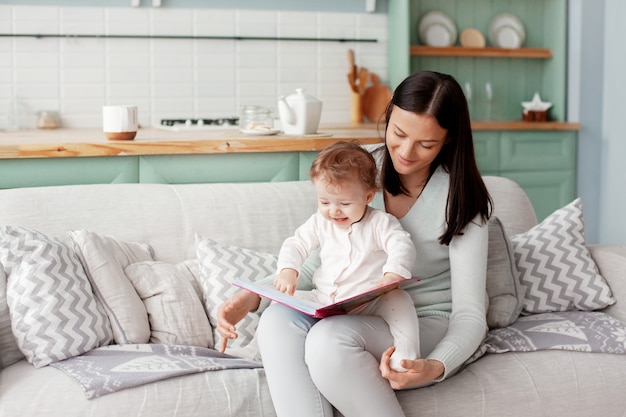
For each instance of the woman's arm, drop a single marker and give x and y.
(467, 325)
(468, 320)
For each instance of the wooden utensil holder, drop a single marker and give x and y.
(356, 108)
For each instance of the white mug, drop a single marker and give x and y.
(119, 122)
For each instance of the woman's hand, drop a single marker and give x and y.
(419, 371)
(232, 311)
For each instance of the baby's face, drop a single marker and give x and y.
(342, 204)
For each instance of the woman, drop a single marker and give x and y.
(431, 183)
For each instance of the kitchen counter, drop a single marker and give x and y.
(59, 143)
(62, 143)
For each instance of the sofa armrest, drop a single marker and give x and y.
(611, 260)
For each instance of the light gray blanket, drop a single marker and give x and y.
(583, 331)
(112, 368)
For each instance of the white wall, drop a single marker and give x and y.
(596, 95)
(178, 78)
(613, 164)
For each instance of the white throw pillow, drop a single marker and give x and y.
(220, 265)
(172, 298)
(104, 259)
(54, 314)
(556, 266)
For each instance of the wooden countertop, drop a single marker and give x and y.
(59, 143)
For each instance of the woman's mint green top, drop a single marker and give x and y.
(452, 277)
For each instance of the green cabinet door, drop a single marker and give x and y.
(487, 152)
(37, 172)
(543, 163)
(242, 167)
(547, 190)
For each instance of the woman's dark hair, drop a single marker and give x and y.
(440, 95)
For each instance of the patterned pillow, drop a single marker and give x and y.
(54, 314)
(556, 266)
(220, 264)
(9, 350)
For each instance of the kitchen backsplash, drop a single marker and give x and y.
(177, 78)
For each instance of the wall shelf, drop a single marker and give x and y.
(497, 125)
(236, 38)
(488, 52)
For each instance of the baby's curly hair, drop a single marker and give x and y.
(345, 161)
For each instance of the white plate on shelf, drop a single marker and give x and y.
(506, 31)
(259, 132)
(437, 29)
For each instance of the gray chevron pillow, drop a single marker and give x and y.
(54, 314)
(556, 266)
(220, 265)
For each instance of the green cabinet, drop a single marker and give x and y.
(539, 66)
(160, 169)
(543, 163)
(38, 172)
(240, 167)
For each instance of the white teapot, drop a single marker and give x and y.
(299, 113)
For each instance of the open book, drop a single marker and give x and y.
(313, 309)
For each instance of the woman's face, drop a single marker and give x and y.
(413, 140)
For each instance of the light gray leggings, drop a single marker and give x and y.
(311, 364)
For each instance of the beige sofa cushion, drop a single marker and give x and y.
(511, 205)
(505, 291)
(172, 297)
(104, 259)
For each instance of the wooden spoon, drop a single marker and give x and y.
(375, 99)
(364, 78)
(352, 70)
(352, 82)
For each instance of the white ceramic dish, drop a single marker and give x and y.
(259, 132)
(506, 31)
(438, 35)
(437, 29)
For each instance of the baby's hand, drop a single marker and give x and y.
(390, 277)
(286, 281)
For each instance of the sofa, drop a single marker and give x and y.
(121, 234)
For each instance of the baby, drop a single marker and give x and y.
(360, 247)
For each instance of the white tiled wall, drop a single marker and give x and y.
(177, 77)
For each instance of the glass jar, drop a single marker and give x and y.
(255, 118)
(47, 119)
